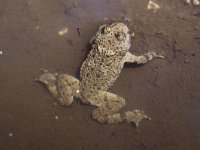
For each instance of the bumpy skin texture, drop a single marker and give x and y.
(98, 72)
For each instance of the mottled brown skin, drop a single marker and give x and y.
(106, 59)
(110, 50)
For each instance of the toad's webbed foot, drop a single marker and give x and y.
(136, 116)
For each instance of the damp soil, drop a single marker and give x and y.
(167, 89)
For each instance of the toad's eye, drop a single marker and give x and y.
(120, 36)
(106, 29)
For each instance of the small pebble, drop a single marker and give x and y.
(153, 6)
(195, 2)
(186, 61)
(63, 31)
(10, 134)
(188, 1)
(37, 27)
(56, 117)
(133, 34)
(79, 31)
(1, 53)
(105, 18)
(196, 28)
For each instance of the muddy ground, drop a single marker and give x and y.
(167, 89)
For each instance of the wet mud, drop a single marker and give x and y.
(55, 34)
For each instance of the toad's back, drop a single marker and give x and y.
(99, 72)
(105, 61)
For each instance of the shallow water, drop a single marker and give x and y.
(55, 34)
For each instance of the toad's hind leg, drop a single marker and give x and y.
(68, 88)
(62, 87)
(108, 112)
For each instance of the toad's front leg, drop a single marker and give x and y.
(143, 59)
(109, 105)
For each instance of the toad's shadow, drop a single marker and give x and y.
(87, 50)
(132, 65)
